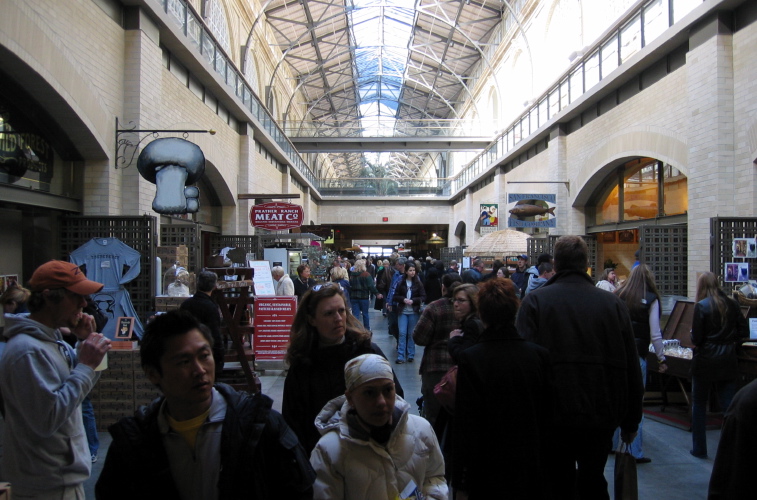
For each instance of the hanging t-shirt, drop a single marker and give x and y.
(111, 262)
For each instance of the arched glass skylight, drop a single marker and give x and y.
(381, 31)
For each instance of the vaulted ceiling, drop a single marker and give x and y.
(381, 68)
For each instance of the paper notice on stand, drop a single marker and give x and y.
(753, 328)
(262, 277)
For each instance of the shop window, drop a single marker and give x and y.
(607, 209)
(639, 191)
(675, 189)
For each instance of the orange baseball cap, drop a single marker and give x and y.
(61, 274)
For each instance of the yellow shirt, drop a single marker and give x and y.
(188, 429)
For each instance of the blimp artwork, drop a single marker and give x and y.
(173, 165)
(531, 210)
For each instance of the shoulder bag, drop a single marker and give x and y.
(444, 391)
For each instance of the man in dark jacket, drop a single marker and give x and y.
(595, 366)
(202, 307)
(200, 440)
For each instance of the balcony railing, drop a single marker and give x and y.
(645, 25)
(387, 186)
(191, 24)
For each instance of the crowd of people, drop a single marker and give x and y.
(549, 370)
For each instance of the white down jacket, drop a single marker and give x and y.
(350, 468)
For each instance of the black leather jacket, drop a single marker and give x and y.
(715, 340)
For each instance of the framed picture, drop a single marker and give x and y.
(627, 236)
(732, 272)
(125, 328)
(608, 237)
(740, 247)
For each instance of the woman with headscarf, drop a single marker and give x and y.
(371, 446)
(718, 326)
(323, 337)
(503, 402)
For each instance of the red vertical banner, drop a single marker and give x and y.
(273, 319)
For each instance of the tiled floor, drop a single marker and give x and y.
(673, 473)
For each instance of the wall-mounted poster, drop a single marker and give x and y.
(745, 248)
(736, 272)
(627, 236)
(531, 210)
(488, 220)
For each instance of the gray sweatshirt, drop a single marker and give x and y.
(45, 446)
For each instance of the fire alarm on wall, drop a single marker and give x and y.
(384, 219)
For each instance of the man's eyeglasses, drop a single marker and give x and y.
(326, 285)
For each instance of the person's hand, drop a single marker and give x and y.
(389, 308)
(85, 325)
(662, 367)
(455, 333)
(379, 296)
(93, 349)
(627, 437)
(408, 301)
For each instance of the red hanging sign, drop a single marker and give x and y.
(276, 216)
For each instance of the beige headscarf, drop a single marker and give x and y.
(365, 368)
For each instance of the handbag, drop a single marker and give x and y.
(626, 487)
(379, 305)
(444, 391)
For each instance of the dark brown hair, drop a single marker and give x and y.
(497, 301)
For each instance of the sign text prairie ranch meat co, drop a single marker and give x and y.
(276, 216)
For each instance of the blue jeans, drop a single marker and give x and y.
(90, 426)
(635, 448)
(406, 347)
(358, 306)
(700, 394)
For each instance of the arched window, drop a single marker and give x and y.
(644, 188)
(216, 21)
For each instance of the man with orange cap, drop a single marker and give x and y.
(43, 382)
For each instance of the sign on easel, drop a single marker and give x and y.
(262, 277)
(273, 320)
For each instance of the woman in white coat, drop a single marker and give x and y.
(371, 447)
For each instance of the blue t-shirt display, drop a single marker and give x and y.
(111, 262)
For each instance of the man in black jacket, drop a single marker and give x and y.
(200, 440)
(202, 307)
(595, 368)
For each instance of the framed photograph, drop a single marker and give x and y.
(751, 248)
(731, 272)
(627, 236)
(125, 328)
(9, 281)
(740, 246)
(608, 237)
(743, 272)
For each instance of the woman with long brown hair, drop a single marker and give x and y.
(640, 294)
(324, 336)
(718, 326)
